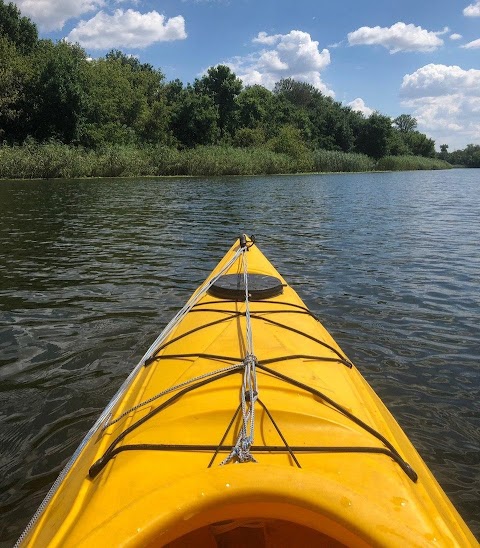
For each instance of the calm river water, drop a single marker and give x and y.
(91, 271)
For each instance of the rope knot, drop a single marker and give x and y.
(250, 360)
(243, 451)
(248, 397)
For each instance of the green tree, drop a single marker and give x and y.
(419, 144)
(443, 154)
(14, 75)
(56, 92)
(280, 112)
(471, 156)
(222, 86)
(332, 124)
(456, 157)
(17, 29)
(397, 145)
(254, 105)
(172, 90)
(249, 137)
(152, 114)
(125, 102)
(475, 158)
(110, 104)
(375, 136)
(324, 123)
(294, 103)
(301, 94)
(194, 119)
(405, 123)
(337, 133)
(289, 141)
(153, 125)
(468, 157)
(354, 121)
(344, 136)
(117, 56)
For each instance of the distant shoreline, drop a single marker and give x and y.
(187, 177)
(55, 160)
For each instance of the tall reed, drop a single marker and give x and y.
(336, 161)
(220, 160)
(56, 160)
(410, 163)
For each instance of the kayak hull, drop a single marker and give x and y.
(327, 463)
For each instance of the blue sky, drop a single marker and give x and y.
(419, 57)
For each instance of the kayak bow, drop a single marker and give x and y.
(246, 423)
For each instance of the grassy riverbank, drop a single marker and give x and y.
(56, 160)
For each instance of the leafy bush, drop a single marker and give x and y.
(247, 137)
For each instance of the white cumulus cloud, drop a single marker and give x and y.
(264, 38)
(293, 55)
(127, 29)
(398, 37)
(359, 105)
(446, 102)
(52, 14)
(472, 45)
(455, 36)
(473, 10)
(435, 80)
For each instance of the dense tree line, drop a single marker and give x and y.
(52, 91)
(468, 157)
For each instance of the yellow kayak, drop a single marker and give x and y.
(246, 424)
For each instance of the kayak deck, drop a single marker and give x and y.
(246, 422)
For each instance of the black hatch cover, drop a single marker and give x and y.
(260, 286)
